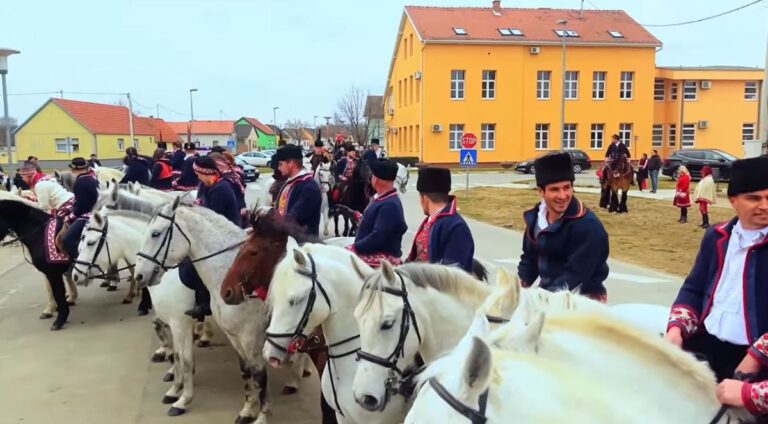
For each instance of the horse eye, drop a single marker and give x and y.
(387, 325)
(155, 234)
(91, 243)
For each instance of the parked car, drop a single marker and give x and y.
(256, 158)
(695, 159)
(251, 172)
(269, 152)
(580, 160)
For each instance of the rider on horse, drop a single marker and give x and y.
(565, 244)
(162, 171)
(49, 194)
(177, 158)
(300, 198)
(138, 167)
(444, 236)
(614, 153)
(188, 179)
(319, 155)
(86, 191)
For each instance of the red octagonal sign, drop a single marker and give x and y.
(468, 141)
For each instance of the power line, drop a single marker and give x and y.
(707, 18)
(34, 94)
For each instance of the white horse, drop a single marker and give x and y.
(312, 286)
(167, 243)
(105, 174)
(324, 178)
(606, 372)
(403, 176)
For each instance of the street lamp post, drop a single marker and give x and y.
(191, 116)
(315, 124)
(274, 115)
(328, 129)
(4, 53)
(564, 35)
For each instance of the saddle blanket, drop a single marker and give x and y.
(52, 254)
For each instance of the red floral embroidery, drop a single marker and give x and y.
(759, 349)
(755, 397)
(422, 242)
(52, 254)
(685, 318)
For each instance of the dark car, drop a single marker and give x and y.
(695, 159)
(251, 172)
(580, 160)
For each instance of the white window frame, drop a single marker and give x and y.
(136, 143)
(455, 132)
(658, 89)
(688, 85)
(543, 84)
(748, 128)
(688, 136)
(673, 89)
(672, 135)
(751, 91)
(569, 135)
(457, 84)
(598, 85)
(657, 135)
(61, 148)
(597, 136)
(488, 136)
(541, 137)
(626, 85)
(625, 133)
(571, 85)
(488, 87)
(120, 144)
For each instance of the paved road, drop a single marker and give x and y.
(97, 370)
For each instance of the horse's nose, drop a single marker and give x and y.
(228, 295)
(75, 277)
(139, 277)
(369, 402)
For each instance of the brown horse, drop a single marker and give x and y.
(619, 177)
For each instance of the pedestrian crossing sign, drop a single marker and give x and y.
(468, 158)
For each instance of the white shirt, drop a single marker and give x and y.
(726, 318)
(541, 220)
(50, 194)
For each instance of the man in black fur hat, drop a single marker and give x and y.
(565, 244)
(721, 311)
(320, 154)
(299, 198)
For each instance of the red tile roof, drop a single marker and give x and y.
(261, 127)
(537, 25)
(204, 127)
(103, 119)
(162, 131)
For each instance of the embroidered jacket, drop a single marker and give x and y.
(137, 171)
(86, 191)
(177, 160)
(188, 179)
(694, 301)
(220, 198)
(445, 239)
(162, 175)
(300, 199)
(51, 196)
(382, 227)
(570, 253)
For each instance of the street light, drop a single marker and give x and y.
(563, 36)
(191, 116)
(4, 53)
(315, 125)
(328, 129)
(274, 115)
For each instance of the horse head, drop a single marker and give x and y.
(325, 177)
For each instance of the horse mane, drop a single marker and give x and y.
(225, 228)
(267, 222)
(130, 214)
(130, 202)
(9, 196)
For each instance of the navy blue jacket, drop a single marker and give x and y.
(137, 171)
(615, 150)
(341, 165)
(450, 241)
(570, 253)
(304, 201)
(188, 179)
(177, 160)
(697, 293)
(157, 181)
(369, 156)
(86, 191)
(221, 199)
(382, 227)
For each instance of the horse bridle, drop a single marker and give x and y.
(101, 244)
(395, 375)
(475, 416)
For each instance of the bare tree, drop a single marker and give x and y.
(295, 129)
(351, 114)
(3, 124)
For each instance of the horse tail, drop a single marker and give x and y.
(479, 270)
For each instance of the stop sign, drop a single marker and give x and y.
(468, 141)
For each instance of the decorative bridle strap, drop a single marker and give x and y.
(475, 416)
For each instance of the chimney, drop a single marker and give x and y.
(497, 7)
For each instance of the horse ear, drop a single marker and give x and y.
(98, 219)
(57, 175)
(521, 339)
(361, 268)
(299, 258)
(477, 368)
(480, 326)
(176, 203)
(388, 271)
(115, 193)
(510, 284)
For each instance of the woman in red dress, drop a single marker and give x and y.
(682, 195)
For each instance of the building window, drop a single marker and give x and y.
(542, 84)
(598, 85)
(400, 93)
(625, 89)
(689, 90)
(750, 90)
(410, 45)
(569, 136)
(673, 91)
(489, 85)
(120, 144)
(658, 89)
(747, 132)
(215, 143)
(417, 136)
(488, 136)
(572, 85)
(625, 134)
(405, 48)
(136, 143)
(596, 136)
(672, 135)
(410, 90)
(418, 91)
(657, 138)
(454, 136)
(542, 136)
(457, 84)
(689, 136)
(62, 145)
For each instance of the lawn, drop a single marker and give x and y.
(648, 236)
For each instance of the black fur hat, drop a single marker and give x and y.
(385, 170)
(434, 180)
(289, 152)
(748, 175)
(553, 168)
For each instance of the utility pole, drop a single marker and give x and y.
(62, 93)
(157, 106)
(191, 116)
(564, 23)
(130, 120)
(763, 133)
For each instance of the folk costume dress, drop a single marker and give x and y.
(444, 238)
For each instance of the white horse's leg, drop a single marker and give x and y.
(166, 343)
(257, 407)
(325, 212)
(206, 334)
(177, 328)
(295, 370)
(185, 365)
(50, 306)
(72, 292)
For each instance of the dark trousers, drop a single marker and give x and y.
(190, 278)
(71, 238)
(723, 357)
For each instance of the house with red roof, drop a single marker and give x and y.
(205, 133)
(251, 134)
(64, 129)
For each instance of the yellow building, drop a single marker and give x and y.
(498, 73)
(63, 129)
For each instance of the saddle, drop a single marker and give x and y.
(61, 229)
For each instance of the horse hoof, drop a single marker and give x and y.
(168, 377)
(306, 374)
(104, 284)
(126, 302)
(175, 412)
(71, 303)
(111, 288)
(46, 315)
(158, 358)
(57, 326)
(142, 312)
(203, 343)
(245, 420)
(287, 390)
(167, 400)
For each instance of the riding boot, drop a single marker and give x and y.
(202, 304)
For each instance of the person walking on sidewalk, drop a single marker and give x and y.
(705, 194)
(654, 166)
(682, 195)
(642, 172)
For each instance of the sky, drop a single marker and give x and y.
(247, 56)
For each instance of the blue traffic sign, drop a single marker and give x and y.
(468, 158)
(231, 145)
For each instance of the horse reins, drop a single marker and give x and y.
(475, 416)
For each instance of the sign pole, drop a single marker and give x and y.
(468, 154)
(467, 181)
